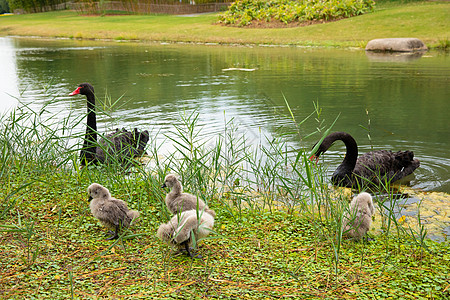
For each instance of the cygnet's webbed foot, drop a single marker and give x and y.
(112, 235)
(194, 254)
(190, 251)
(368, 239)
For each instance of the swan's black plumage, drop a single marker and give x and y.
(121, 144)
(371, 168)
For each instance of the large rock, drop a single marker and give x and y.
(396, 45)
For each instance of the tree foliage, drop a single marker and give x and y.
(30, 6)
(4, 7)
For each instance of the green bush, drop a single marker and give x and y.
(4, 7)
(243, 12)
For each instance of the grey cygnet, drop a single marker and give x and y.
(177, 201)
(112, 213)
(358, 219)
(179, 230)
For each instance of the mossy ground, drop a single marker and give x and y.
(51, 247)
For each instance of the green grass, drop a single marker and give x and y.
(264, 256)
(278, 230)
(427, 21)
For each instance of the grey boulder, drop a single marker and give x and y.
(396, 45)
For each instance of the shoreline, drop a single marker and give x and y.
(193, 43)
(426, 21)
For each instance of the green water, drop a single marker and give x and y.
(403, 100)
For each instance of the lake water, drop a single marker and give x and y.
(405, 98)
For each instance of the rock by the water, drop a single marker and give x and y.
(396, 45)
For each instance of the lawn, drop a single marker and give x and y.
(427, 21)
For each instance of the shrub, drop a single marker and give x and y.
(243, 12)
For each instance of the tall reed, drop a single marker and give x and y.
(228, 171)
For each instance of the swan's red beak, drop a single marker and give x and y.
(314, 158)
(76, 92)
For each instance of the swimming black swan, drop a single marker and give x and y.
(370, 169)
(122, 144)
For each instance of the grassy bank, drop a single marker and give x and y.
(427, 21)
(278, 225)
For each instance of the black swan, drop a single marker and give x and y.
(121, 144)
(370, 169)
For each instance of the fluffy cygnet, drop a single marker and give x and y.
(177, 201)
(178, 231)
(358, 219)
(112, 213)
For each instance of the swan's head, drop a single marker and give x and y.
(319, 151)
(96, 191)
(330, 139)
(165, 232)
(83, 89)
(141, 138)
(170, 181)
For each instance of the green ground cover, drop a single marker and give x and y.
(427, 21)
(277, 235)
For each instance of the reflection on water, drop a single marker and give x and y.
(403, 103)
(394, 56)
(8, 77)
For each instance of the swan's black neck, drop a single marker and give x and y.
(92, 119)
(351, 155)
(90, 140)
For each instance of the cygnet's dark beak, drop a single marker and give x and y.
(90, 198)
(164, 185)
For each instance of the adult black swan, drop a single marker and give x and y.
(121, 145)
(370, 169)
